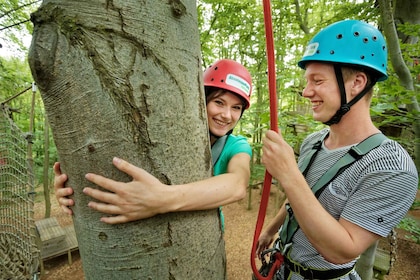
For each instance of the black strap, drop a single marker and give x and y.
(311, 273)
(345, 107)
(217, 148)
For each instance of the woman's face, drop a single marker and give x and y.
(224, 109)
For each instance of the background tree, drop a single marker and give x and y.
(401, 25)
(125, 79)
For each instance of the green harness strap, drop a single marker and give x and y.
(290, 225)
(217, 148)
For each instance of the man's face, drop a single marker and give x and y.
(322, 90)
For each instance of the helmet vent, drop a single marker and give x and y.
(365, 40)
(356, 34)
(362, 57)
(340, 36)
(332, 52)
(374, 38)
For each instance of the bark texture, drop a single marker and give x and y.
(123, 78)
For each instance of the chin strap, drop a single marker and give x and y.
(345, 107)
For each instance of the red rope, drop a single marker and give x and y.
(273, 126)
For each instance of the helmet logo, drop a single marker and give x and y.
(311, 49)
(239, 83)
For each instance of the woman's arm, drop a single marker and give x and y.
(145, 196)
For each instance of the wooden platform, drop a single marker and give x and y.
(381, 266)
(55, 240)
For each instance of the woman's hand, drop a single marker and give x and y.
(61, 192)
(145, 196)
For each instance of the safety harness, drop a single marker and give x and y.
(217, 148)
(290, 225)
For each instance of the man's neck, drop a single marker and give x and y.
(346, 134)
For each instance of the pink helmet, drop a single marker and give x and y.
(230, 75)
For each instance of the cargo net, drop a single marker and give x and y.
(19, 255)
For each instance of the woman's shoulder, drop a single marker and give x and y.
(236, 138)
(238, 143)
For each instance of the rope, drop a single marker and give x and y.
(273, 126)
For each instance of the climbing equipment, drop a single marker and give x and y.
(229, 75)
(352, 43)
(349, 42)
(277, 260)
(217, 148)
(290, 225)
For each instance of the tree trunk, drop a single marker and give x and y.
(405, 12)
(46, 168)
(124, 78)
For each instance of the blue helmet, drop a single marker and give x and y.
(349, 42)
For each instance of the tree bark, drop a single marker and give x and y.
(407, 12)
(124, 78)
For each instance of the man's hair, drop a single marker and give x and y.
(350, 70)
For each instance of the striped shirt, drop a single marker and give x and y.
(374, 193)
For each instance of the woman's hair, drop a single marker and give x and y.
(213, 93)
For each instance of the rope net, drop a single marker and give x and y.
(19, 255)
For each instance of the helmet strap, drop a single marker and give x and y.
(345, 107)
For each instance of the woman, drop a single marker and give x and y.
(228, 90)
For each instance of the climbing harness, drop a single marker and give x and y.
(290, 225)
(217, 148)
(277, 258)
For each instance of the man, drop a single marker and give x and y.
(366, 200)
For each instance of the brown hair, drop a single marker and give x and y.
(213, 93)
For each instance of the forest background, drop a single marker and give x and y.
(234, 29)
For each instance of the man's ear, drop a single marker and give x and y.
(360, 81)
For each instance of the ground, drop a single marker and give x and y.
(240, 226)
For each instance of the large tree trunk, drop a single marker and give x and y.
(123, 78)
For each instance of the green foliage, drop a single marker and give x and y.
(15, 25)
(412, 227)
(235, 29)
